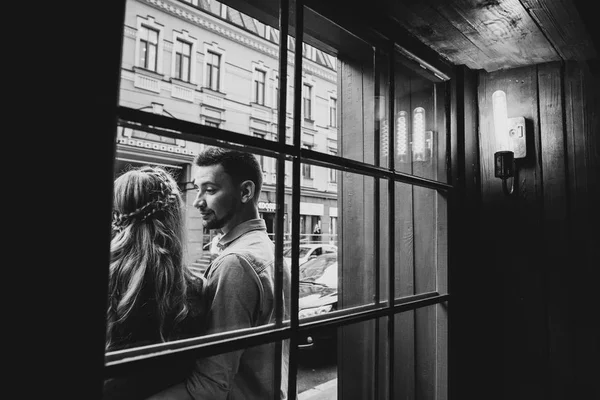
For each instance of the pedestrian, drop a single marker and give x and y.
(152, 296)
(240, 281)
(317, 233)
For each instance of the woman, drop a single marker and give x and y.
(152, 296)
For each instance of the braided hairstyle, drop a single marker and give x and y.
(148, 282)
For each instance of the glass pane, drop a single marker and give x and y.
(337, 241)
(420, 125)
(224, 48)
(339, 93)
(363, 358)
(317, 376)
(421, 353)
(260, 370)
(421, 240)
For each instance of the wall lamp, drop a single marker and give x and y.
(510, 140)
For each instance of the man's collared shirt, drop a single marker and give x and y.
(241, 294)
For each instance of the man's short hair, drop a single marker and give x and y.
(240, 165)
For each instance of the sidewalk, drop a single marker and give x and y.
(324, 391)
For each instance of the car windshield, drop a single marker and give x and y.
(303, 252)
(314, 269)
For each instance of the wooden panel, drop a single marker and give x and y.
(561, 23)
(554, 231)
(404, 324)
(356, 197)
(582, 105)
(511, 228)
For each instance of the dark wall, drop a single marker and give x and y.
(528, 279)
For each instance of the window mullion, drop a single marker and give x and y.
(297, 135)
(391, 227)
(281, 301)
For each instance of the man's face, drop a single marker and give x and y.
(218, 198)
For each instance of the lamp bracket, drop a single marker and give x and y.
(517, 136)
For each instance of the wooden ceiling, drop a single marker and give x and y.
(480, 34)
(496, 34)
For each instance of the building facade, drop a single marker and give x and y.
(204, 62)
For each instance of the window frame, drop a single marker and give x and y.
(310, 91)
(207, 80)
(150, 24)
(333, 122)
(155, 355)
(184, 37)
(259, 70)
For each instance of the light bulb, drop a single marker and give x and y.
(418, 145)
(402, 135)
(500, 120)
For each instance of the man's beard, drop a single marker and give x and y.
(218, 223)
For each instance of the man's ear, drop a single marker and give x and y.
(247, 189)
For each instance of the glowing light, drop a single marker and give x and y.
(419, 145)
(500, 120)
(402, 135)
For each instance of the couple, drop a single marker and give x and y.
(154, 298)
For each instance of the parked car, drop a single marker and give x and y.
(309, 251)
(318, 295)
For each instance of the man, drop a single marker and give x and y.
(240, 281)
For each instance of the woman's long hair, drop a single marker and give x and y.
(148, 283)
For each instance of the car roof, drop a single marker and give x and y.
(316, 245)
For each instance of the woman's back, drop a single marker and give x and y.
(143, 384)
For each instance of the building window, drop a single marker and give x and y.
(259, 86)
(213, 71)
(276, 97)
(333, 173)
(333, 112)
(208, 122)
(307, 105)
(148, 48)
(183, 51)
(307, 168)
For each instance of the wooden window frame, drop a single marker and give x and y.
(128, 360)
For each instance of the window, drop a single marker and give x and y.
(276, 97)
(307, 104)
(183, 52)
(307, 168)
(333, 112)
(364, 204)
(259, 86)
(213, 71)
(333, 173)
(148, 48)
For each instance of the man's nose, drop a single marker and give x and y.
(199, 202)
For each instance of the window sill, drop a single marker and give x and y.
(186, 84)
(260, 106)
(148, 72)
(206, 89)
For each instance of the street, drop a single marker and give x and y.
(317, 375)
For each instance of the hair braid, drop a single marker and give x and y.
(166, 197)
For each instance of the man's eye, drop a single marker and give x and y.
(210, 190)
